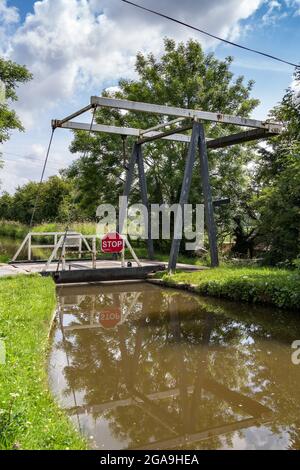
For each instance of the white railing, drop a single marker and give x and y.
(28, 242)
(63, 241)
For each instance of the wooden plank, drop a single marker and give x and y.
(127, 131)
(172, 136)
(165, 134)
(181, 112)
(103, 274)
(239, 138)
(58, 123)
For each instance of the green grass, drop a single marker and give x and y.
(13, 229)
(18, 230)
(29, 417)
(270, 286)
(86, 228)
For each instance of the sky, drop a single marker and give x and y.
(77, 48)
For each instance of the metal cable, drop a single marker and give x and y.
(41, 180)
(73, 200)
(162, 15)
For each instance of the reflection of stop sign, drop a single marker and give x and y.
(112, 243)
(110, 317)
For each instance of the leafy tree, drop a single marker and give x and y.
(53, 197)
(6, 204)
(278, 176)
(11, 75)
(183, 76)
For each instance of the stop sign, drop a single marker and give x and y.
(112, 243)
(110, 317)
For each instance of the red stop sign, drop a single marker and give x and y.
(110, 317)
(112, 243)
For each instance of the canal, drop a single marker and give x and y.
(138, 366)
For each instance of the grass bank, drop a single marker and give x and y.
(270, 286)
(19, 231)
(29, 417)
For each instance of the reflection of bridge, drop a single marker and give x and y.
(260, 414)
(182, 427)
(93, 323)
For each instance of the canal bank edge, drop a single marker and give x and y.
(263, 286)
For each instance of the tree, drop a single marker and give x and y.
(53, 197)
(278, 175)
(6, 204)
(11, 75)
(183, 76)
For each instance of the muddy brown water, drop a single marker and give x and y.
(139, 366)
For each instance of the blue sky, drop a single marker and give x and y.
(75, 48)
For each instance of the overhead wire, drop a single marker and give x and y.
(202, 31)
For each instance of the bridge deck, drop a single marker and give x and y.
(82, 271)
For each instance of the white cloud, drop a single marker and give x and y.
(296, 89)
(19, 168)
(73, 46)
(295, 4)
(273, 12)
(8, 15)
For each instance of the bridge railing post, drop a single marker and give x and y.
(29, 247)
(23, 244)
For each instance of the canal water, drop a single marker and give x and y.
(138, 366)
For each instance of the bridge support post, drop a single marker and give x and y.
(137, 158)
(127, 186)
(185, 190)
(197, 140)
(208, 202)
(144, 196)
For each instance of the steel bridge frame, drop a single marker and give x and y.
(197, 144)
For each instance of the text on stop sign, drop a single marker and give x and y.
(112, 243)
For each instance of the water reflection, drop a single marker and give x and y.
(137, 366)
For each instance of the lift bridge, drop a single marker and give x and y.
(178, 125)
